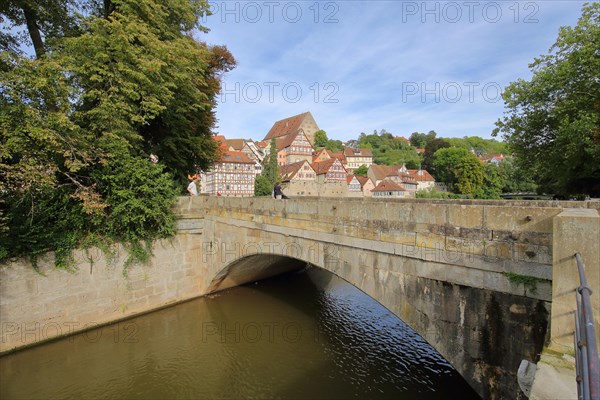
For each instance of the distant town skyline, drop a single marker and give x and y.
(361, 66)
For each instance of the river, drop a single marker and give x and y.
(303, 335)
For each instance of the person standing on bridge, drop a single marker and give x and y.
(192, 187)
(278, 193)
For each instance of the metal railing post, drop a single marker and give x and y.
(586, 349)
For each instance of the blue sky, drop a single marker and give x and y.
(403, 66)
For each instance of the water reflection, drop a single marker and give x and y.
(302, 335)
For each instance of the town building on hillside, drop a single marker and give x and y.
(293, 147)
(352, 143)
(304, 121)
(298, 171)
(494, 159)
(354, 186)
(233, 175)
(339, 155)
(299, 179)
(330, 170)
(366, 185)
(247, 147)
(321, 155)
(424, 179)
(395, 173)
(377, 172)
(389, 189)
(355, 157)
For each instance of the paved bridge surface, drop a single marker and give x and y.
(473, 278)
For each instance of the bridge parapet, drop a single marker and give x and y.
(500, 245)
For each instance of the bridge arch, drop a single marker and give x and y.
(253, 267)
(442, 268)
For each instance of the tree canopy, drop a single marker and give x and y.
(111, 83)
(388, 149)
(552, 122)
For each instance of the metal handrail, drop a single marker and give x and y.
(586, 350)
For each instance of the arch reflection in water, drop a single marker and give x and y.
(306, 334)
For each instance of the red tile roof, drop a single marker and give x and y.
(388, 186)
(290, 170)
(236, 157)
(282, 142)
(286, 126)
(361, 152)
(382, 171)
(363, 180)
(321, 167)
(319, 153)
(339, 155)
(421, 175)
(237, 144)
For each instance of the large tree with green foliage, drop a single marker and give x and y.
(445, 162)
(429, 156)
(119, 81)
(469, 175)
(552, 121)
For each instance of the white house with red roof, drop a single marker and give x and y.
(395, 173)
(389, 189)
(354, 186)
(424, 179)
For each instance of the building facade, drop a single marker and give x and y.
(357, 157)
(233, 176)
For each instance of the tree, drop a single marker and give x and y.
(552, 122)
(264, 183)
(492, 183)
(469, 175)
(361, 171)
(389, 150)
(44, 20)
(514, 178)
(445, 164)
(334, 145)
(78, 122)
(321, 138)
(428, 157)
(420, 140)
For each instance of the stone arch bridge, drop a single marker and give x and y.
(474, 278)
(487, 283)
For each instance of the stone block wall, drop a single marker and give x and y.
(39, 306)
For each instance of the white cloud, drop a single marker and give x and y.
(369, 58)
